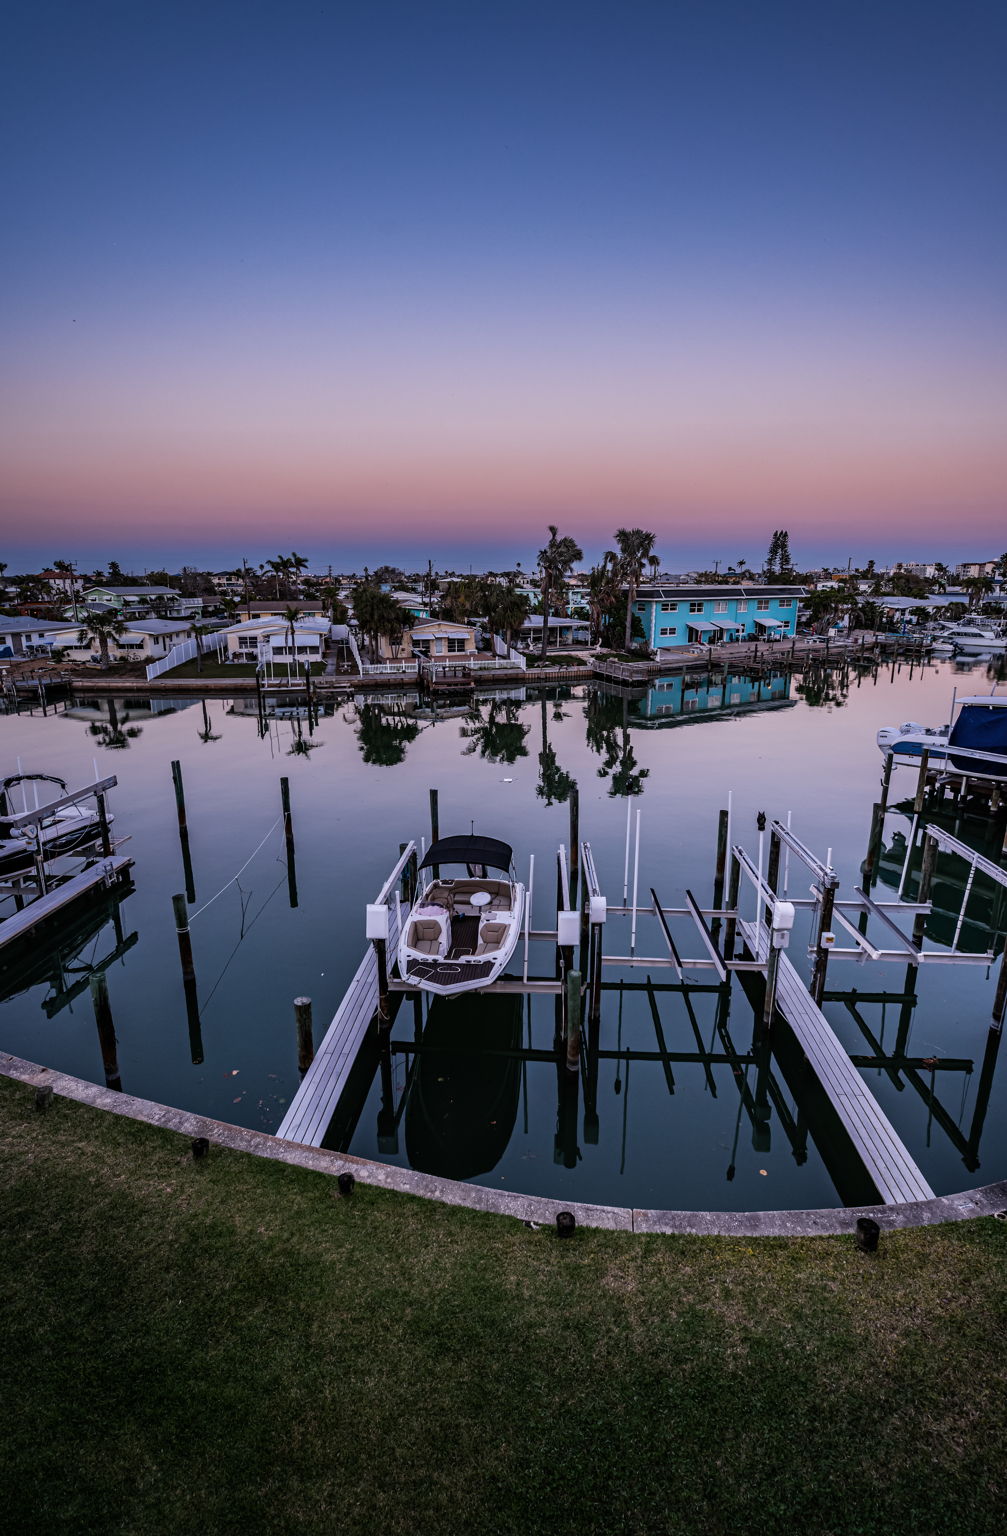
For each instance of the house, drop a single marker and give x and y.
(673, 616)
(26, 637)
(142, 640)
(413, 604)
(268, 639)
(276, 608)
(562, 632)
(140, 602)
(433, 638)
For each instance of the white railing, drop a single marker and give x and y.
(407, 667)
(186, 650)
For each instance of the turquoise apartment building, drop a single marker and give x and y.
(708, 615)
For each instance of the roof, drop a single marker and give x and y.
(469, 850)
(721, 590)
(534, 621)
(11, 626)
(154, 626)
(993, 700)
(135, 591)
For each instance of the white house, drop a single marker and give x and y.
(142, 640)
(26, 637)
(269, 639)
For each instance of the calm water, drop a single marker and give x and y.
(653, 1132)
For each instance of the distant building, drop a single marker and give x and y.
(276, 608)
(140, 602)
(673, 616)
(970, 569)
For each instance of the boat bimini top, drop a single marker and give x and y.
(487, 851)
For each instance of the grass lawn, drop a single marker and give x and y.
(213, 668)
(228, 1347)
(557, 661)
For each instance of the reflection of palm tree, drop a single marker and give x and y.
(206, 734)
(607, 729)
(824, 687)
(554, 783)
(383, 740)
(299, 747)
(111, 734)
(500, 737)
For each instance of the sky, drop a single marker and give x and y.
(393, 280)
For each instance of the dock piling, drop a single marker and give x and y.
(188, 978)
(305, 1041)
(573, 1020)
(288, 834)
(183, 831)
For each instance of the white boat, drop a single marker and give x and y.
(65, 830)
(974, 637)
(978, 728)
(462, 930)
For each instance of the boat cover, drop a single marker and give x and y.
(980, 728)
(469, 850)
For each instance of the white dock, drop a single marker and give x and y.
(314, 1103)
(882, 1152)
(20, 924)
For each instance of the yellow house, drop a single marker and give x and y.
(438, 639)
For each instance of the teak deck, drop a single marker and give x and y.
(882, 1152)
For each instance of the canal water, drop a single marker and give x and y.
(482, 1098)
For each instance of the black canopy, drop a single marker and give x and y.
(469, 850)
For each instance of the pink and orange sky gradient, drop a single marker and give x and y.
(389, 286)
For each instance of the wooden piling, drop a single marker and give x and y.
(573, 1001)
(574, 807)
(927, 871)
(188, 978)
(817, 986)
(183, 830)
(288, 834)
(305, 1042)
(106, 1031)
(435, 828)
(921, 783)
(1000, 999)
(106, 841)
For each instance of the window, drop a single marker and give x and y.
(667, 629)
(456, 643)
(641, 607)
(762, 604)
(720, 607)
(784, 602)
(742, 606)
(669, 607)
(696, 607)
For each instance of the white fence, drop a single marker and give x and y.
(185, 651)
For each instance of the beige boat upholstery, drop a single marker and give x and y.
(424, 935)
(491, 936)
(457, 893)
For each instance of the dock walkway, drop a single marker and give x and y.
(314, 1103)
(883, 1153)
(20, 925)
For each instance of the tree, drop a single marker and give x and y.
(101, 627)
(607, 730)
(499, 738)
(556, 562)
(378, 614)
(383, 739)
(603, 598)
(636, 549)
(197, 630)
(506, 609)
(290, 618)
(115, 575)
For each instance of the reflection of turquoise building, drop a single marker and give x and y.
(675, 700)
(707, 615)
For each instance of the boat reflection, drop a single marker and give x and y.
(462, 1103)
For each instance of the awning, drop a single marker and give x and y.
(469, 850)
(720, 624)
(702, 624)
(771, 623)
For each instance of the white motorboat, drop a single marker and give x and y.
(974, 637)
(978, 728)
(462, 930)
(62, 831)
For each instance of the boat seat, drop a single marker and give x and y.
(425, 935)
(500, 903)
(491, 936)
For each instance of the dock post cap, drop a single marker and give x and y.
(377, 920)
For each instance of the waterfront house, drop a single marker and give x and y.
(684, 615)
(139, 602)
(413, 604)
(268, 639)
(562, 633)
(26, 637)
(438, 639)
(143, 640)
(276, 608)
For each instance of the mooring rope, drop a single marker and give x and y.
(240, 872)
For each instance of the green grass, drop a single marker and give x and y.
(557, 661)
(228, 1347)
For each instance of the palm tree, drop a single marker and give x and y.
(602, 595)
(556, 562)
(507, 609)
(197, 631)
(636, 549)
(290, 618)
(101, 627)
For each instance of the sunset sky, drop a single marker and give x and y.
(383, 281)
